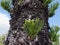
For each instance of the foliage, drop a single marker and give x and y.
(32, 27)
(52, 9)
(6, 4)
(2, 38)
(57, 42)
(53, 33)
(54, 36)
(46, 2)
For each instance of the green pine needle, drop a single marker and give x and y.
(46, 2)
(6, 4)
(53, 33)
(52, 9)
(32, 27)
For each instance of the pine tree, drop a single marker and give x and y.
(24, 14)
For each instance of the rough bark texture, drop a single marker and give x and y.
(17, 35)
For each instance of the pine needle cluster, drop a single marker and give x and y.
(32, 27)
(6, 4)
(51, 8)
(53, 33)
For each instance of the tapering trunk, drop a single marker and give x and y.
(26, 10)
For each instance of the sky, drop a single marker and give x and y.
(5, 17)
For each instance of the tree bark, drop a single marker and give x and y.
(26, 10)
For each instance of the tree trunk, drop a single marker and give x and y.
(26, 10)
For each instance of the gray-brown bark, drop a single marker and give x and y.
(17, 35)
